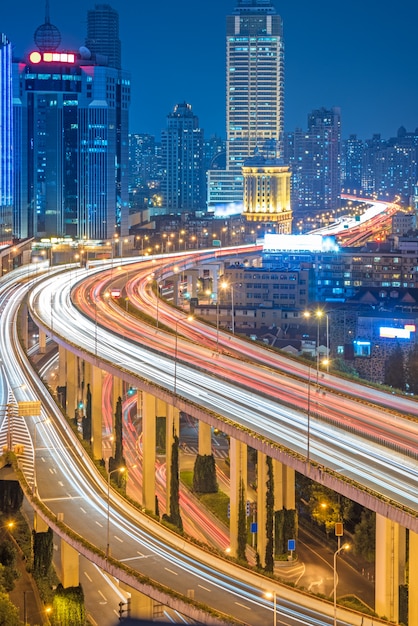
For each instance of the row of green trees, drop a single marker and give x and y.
(401, 372)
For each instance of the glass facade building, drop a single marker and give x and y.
(6, 125)
(71, 146)
(254, 92)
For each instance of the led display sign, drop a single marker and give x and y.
(306, 243)
(51, 57)
(397, 333)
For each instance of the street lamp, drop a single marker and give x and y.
(345, 546)
(121, 470)
(189, 318)
(226, 285)
(319, 313)
(272, 595)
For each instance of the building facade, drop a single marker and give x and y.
(71, 143)
(254, 95)
(267, 193)
(6, 154)
(315, 158)
(183, 187)
(103, 34)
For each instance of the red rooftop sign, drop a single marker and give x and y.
(52, 57)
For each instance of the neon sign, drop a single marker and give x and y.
(52, 57)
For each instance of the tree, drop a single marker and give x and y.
(8, 561)
(118, 433)
(11, 496)
(204, 474)
(365, 536)
(269, 560)
(68, 606)
(86, 421)
(175, 517)
(9, 613)
(43, 548)
(395, 368)
(343, 366)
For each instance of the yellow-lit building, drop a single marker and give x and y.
(267, 193)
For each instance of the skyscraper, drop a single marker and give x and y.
(6, 123)
(315, 158)
(254, 94)
(103, 34)
(182, 149)
(71, 142)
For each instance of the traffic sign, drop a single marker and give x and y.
(27, 409)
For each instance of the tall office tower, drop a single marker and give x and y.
(103, 34)
(70, 141)
(6, 125)
(182, 147)
(315, 158)
(254, 94)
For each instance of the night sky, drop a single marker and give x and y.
(358, 55)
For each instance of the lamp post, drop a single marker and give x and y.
(121, 470)
(272, 595)
(225, 285)
(345, 546)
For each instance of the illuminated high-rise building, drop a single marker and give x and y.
(254, 94)
(6, 124)
(315, 158)
(71, 142)
(182, 151)
(103, 34)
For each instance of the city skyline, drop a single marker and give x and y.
(332, 58)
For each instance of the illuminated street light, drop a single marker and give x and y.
(121, 470)
(272, 595)
(226, 285)
(345, 546)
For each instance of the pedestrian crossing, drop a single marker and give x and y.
(14, 435)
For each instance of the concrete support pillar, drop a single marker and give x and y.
(70, 566)
(24, 324)
(42, 342)
(176, 280)
(238, 477)
(96, 389)
(284, 486)
(62, 367)
(172, 427)
(413, 579)
(72, 390)
(141, 606)
(192, 276)
(387, 568)
(261, 506)
(39, 525)
(148, 451)
(205, 439)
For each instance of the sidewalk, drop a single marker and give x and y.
(26, 597)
